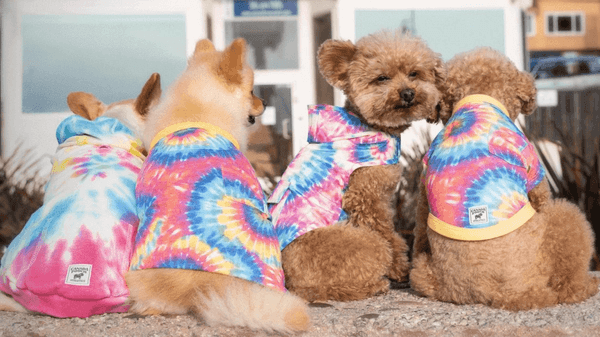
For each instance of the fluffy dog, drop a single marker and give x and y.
(205, 244)
(487, 231)
(70, 258)
(333, 208)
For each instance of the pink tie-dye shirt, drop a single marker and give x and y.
(69, 259)
(309, 194)
(201, 208)
(478, 172)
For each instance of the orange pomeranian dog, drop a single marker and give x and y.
(206, 244)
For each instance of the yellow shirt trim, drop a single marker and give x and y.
(476, 234)
(186, 125)
(480, 99)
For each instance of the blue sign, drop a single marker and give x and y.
(251, 8)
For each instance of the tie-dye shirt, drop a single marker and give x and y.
(201, 208)
(478, 172)
(70, 257)
(309, 194)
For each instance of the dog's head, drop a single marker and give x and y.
(130, 112)
(215, 88)
(390, 78)
(488, 72)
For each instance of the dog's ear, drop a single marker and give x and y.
(334, 59)
(526, 92)
(204, 45)
(441, 109)
(453, 93)
(232, 61)
(441, 74)
(149, 96)
(85, 105)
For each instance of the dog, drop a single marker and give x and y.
(334, 206)
(524, 250)
(206, 244)
(88, 216)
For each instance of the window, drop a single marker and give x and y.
(110, 56)
(271, 30)
(530, 24)
(565, 23)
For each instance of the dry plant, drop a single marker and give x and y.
(21, 193)
(578, 183)
(408, 193)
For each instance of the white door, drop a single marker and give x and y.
(281, 52)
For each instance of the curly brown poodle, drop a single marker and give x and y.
(390, 80)
(542, 256)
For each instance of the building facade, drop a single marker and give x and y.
(109, 48)
(556, 27)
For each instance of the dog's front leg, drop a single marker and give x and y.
(369, 203)
(421, 243)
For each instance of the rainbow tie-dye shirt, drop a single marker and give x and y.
(478, 172)
(201, 208)
(69, 259)
(309, 194)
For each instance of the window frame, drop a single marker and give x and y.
(530, 22)
(572, 14)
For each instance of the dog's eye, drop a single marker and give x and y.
(413, 74)
(382, 78)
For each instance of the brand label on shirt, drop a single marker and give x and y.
(478, 215)
(79, 274)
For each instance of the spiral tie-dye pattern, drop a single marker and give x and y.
(309, 194)
(478, 172)
(69, 259)
(201, 208)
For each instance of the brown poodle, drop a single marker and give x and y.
(342, 244)
(525, 251)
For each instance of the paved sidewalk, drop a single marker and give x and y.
(398, 313)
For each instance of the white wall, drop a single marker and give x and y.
(37, 130)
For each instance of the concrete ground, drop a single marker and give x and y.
(397, 313)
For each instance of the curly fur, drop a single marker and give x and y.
(542, 263)
(390, 79)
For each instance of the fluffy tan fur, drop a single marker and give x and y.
(86, 105)
(542, 263)
(390, 80)
(215, 88)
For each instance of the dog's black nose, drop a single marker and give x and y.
(407, 95)
(251, 119)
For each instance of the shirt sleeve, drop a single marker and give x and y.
(513, 147)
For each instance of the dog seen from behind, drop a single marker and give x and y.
(206, 244)
(487, 229)
(70, 258)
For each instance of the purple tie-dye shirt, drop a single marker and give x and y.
(69, 259)
(309, 194)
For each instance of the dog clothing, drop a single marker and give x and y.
(69, 259)
(478, 172)
(201, 208)
(309, 194)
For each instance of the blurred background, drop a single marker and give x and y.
(109, 48)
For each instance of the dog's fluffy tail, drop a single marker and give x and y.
(254, 306)
(218, 299)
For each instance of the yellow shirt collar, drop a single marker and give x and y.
(187, 125)
(480, 99)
